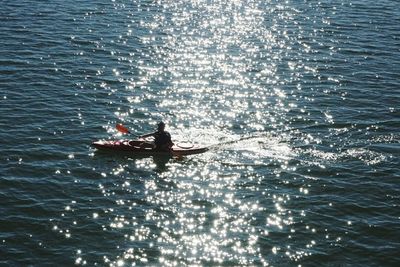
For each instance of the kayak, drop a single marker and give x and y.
(138, 147)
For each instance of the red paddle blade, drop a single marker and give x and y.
(121, 128)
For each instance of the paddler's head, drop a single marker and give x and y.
(161, 126)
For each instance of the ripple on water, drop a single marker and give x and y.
(298, 101)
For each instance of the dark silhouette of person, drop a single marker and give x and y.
(162, 138)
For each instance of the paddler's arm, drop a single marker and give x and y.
(146, 135)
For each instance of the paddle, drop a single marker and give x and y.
(121, 128)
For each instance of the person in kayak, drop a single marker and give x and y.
(162, 138)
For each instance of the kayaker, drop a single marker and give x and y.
(162, 138)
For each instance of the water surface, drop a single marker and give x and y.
(299, 100)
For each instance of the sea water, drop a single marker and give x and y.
(299, 101)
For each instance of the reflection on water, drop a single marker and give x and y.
(297, 99)
(242, 76)
(145, 162)
(217, 73)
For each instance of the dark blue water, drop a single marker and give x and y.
(300, 100)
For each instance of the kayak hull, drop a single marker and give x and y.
(137, 147)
